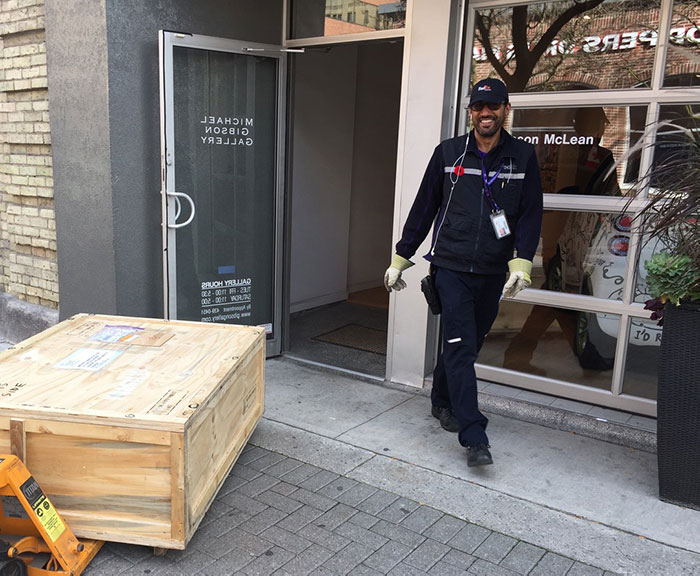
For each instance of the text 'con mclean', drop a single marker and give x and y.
(560, 139)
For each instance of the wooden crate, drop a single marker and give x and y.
(130, 425)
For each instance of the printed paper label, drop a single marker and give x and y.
(89, 359)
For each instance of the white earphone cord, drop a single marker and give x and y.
(449, 199)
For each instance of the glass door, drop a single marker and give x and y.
(222, 123)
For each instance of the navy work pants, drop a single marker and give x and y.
(469, 308)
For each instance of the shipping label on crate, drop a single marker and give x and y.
(90, 359)
(44, 510)
(117, 333)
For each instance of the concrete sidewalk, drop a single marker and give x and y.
(347, 477)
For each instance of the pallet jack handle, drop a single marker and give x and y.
(43, 531)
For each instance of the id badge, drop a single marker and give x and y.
(500, 224)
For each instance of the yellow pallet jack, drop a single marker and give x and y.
(40, 544)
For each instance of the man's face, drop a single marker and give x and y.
(488, 122)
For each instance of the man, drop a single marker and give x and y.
(483, 192)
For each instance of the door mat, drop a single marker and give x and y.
(357, 337)
(374, 298)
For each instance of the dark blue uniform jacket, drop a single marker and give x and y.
(463, 237)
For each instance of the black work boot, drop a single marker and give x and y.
(447, 419)
(478, 455)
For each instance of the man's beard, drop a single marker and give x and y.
(488, 132)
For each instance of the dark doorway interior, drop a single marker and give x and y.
(345, 121)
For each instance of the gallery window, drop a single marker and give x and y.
(589, 80)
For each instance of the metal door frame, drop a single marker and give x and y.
(170, 211)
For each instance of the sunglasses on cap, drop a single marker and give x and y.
(479, 106)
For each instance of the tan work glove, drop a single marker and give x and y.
(392, 276)
(519, 277)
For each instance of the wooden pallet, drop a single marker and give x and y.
(130, 425)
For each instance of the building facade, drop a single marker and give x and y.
(358, 95)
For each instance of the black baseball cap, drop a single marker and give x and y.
(489, 90)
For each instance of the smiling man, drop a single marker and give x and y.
(483, 192)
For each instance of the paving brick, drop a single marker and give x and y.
(268, 562)
(349, 557)
(243, 503)
(356, 494)
(218, 527)
(299, 518)
(318, 480)
(228, 564)
(398, 510)
(269, 459)
(286, 539)
(257, 486)
(522, 558)
(263, 520)
(377, 502)
(217, 508)
(387, 556)
(193, 563)
(102, 556)
(337, 487)
(362, 535)
(335, 517)
(445, 569)
(445, 529)
(283, 467)
(279, 501)
(321, 571)
(469, 538)
(363, 519)
(313, 499)
(113, 565)
(248, 456)
(484, 568)
(306, 561)
(243, 471)
(326, 538)
(284, 488)
(421, 518)
(552, 565)
(459, 559)
(159, 567)
(239, 540)
(402, 569)
(427, 554)
(300, 474)
(579, 569)
(134, 554)
(363, 570)
(495, 547)
(230, 484)
(394, 532)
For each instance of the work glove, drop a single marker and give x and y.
(392, 276)
(519, 277)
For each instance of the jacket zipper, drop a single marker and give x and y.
(478, 232)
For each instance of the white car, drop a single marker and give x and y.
(592, 260)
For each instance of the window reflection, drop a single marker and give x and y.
(552, 342)
(582, 150)
(568, 45)
(682, 62)
(317, 18)
(643, 350)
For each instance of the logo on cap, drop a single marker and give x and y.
(484, 88)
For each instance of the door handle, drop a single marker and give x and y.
(177, 196)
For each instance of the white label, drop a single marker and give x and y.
(88, 359)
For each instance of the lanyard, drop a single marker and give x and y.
(487, 184)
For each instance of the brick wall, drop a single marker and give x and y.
(28, 266)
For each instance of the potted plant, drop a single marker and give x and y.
(671, 214)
